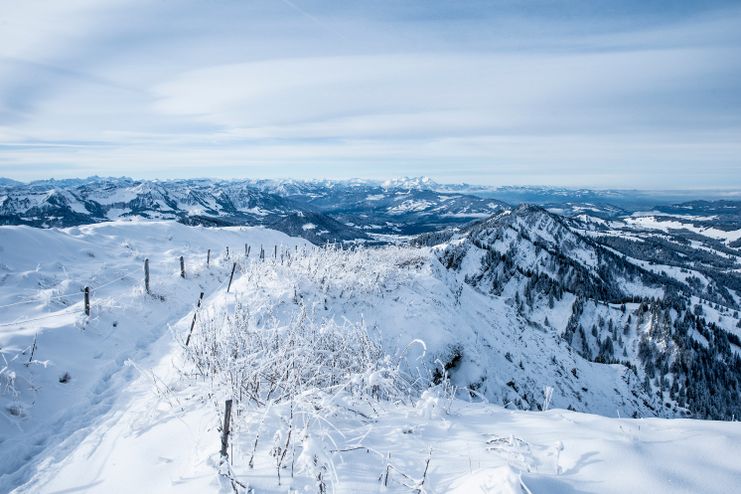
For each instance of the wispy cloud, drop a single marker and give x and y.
(487, 93)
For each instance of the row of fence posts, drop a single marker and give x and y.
(247, 250)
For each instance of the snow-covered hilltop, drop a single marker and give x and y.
(427, 365)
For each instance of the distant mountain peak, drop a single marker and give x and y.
(9, 182)
(418, 183)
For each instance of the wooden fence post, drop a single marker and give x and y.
(146, 276)
(33, 350)
(87, 300)
(182, 267)
(246, 250)
(208, 258)
(225, 429)
(234, 266)
(275, 252)
(193, 323)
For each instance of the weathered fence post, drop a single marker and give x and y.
(146, 276)
(193, 323)
(87, 300)
(33, 350)
(246, 250)
(225, 429)
(275, 252)
(208, 258)
(182, 267)
(262, 253)
(234, 266)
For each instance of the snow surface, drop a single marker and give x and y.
(42, 273)
(652, 222)
(410, 205)
(131, 417)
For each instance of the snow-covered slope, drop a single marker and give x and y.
(62, 370)
(609, 307)
(474, 448)
(348, 368)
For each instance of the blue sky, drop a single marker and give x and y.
(603, 94)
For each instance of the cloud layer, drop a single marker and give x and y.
(489, 92)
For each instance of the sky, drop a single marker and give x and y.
(639, 94)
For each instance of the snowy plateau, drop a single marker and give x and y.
(497, 349)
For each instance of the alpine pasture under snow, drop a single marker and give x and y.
(348, 370)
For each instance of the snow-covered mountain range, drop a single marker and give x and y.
(321, 211)
(335, 211)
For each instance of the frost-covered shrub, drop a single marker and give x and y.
(275, 362)
(343, 274)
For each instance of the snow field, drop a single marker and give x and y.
(331, 357)
(651, 222)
